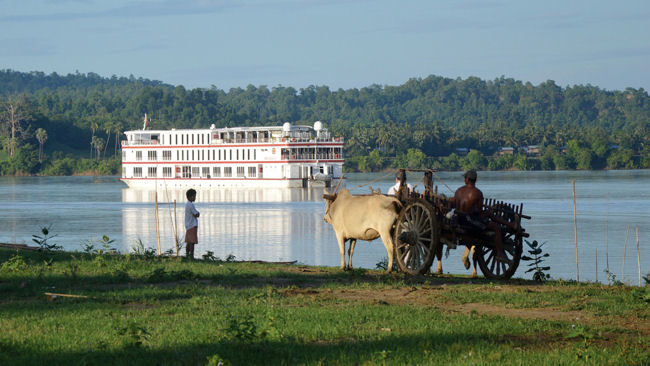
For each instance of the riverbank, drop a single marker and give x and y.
(143, 309)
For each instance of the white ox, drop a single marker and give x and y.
(361, 217)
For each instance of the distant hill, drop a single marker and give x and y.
(434, 114)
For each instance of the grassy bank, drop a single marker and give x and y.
(149, 310)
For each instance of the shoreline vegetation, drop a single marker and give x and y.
(54, 124)
(100, 307)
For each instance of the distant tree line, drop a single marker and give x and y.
(55, 124)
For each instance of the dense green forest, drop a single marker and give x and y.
(55, 124)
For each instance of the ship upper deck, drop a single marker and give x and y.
(231, 135)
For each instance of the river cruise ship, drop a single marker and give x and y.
(279, 156)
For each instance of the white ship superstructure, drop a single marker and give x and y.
(278, 156)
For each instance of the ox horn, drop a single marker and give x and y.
(339, 184)
(329, 197)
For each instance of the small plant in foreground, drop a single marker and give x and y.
(537, 258)
(216, 360)
(383, 264)
(15, 264)
(242, 329)
(209, 256)
(73, 268)
(42, 240)
(134, 334)
(139, 249)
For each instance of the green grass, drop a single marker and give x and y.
(149, 310)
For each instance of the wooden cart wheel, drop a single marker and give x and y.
(491, 268)
(416, 237)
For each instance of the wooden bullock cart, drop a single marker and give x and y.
(425, 225)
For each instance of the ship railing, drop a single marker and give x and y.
(139, 142)
(310, 156)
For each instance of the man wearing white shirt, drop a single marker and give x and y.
(394, 189)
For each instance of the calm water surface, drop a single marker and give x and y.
(287, 224)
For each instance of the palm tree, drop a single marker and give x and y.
(41, 136)
(117, 128)
(98, 144)
(108, 128)
(93, 127)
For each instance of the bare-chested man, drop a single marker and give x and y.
(469, 201)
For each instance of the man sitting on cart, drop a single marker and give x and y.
(469, 207)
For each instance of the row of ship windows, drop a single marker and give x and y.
(201, 139)
(211, 155)
(195, 172)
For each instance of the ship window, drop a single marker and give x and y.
(182, 139)
(192, 139)
(167, 172)
(192, 154)
(252, 172)
(187, 172)
(205, 172)
(123, 172)
(202, 154)
(240, 171)
(137, 172)
(249, 154)
(255, 154)
(230, 153)
(138, 155)
(123, 155)
(167, 155)
(227, 171)
(176, 138)
(195, 172)
(237, 153)
(176, 154)
(152, 172)
(152, 155)
(216, 171)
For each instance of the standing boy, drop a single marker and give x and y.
(191, 224)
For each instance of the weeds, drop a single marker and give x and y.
(382, 265)
(133, 334)
(537, 258)
(72, 269)
(243, 329)
(15, 264)
(139, 249)
(209, 256)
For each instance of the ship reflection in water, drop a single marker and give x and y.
(252, 224)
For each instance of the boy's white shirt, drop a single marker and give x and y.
(393, 190)
(190, 220)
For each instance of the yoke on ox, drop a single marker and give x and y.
(424, 225)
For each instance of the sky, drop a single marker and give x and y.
(337, 43)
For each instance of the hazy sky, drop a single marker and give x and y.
(338, 43)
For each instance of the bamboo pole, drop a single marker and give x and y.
(607, 237)
(575, 229)
(596, 264)
(157, 226)
(175, 229)
(171, 218)
(625, 251)
(638, 256)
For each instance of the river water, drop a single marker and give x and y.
(287, 224)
